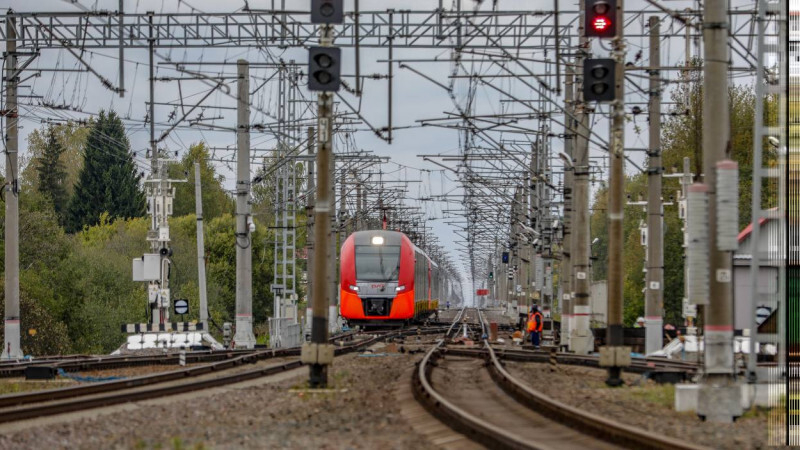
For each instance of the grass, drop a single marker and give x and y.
(14, 387)
(659, 394)
(756, 412)
(176, 443)
(340, 376)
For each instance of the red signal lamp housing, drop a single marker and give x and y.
(601, 24)
(600, 17)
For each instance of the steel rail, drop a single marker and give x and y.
(113, 362)
(638, 366)
(78, 404)
(77, 363)
(456, 320)
(75, 399)
(458, 419)
(585, 422)
(12, 400)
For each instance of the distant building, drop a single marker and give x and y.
(767, 274)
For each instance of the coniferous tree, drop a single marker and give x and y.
(108, 181)
(52, 174)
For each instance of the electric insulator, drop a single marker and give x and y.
(697, 253)
(727, 205)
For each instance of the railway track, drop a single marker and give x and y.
(78, 363)
(29, 405)
(637, 365)
(485, 403)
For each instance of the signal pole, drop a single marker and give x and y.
(654, 301)
(718, 399)
(565, 275)
(614, 354)
(310, 200)
(582, 340)
(318, 353)
(244, 337)
(11, 326)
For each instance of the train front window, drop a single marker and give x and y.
(377, 262)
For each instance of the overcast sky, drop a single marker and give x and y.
(415, 97)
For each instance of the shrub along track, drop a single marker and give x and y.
(485, 403)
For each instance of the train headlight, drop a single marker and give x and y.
(354, 288)
(400, 288)
(377, 240)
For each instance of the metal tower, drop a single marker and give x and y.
(766, 248)
(284, 330)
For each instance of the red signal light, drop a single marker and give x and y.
(600, 23)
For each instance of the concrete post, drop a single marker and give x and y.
(201, 259)
(318, 373)
(565, 269)
(654, 294)
(11, 347)
(616, 198)
(582, 340)
(244, 337)
(332, 275)
(310, 230)
(718, 399)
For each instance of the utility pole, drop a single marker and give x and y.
(11, 326)
(244, 337)
(121, 34)
(616, 356)
(582, 340)
(718, 399)
(333, 285)
(319, 352)
(686, 181)
(156, 311)
(654, 301)
(565, 270)
(310, 230)
(201, 258)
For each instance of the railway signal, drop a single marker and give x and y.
(600, 18)
(324, 69)
(598, 84)
(327, 11)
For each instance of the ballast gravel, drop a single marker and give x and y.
(360, 411)
(641, 403)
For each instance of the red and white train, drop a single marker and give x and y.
(387, 280)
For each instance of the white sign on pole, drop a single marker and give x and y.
(689, 310)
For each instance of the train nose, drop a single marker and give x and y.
(377, 307)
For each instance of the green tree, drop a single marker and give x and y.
(215, 200)
(52, 174)
(71, 137)
(108, 181)
(682, 136)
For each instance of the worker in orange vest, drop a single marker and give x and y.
(535, 326)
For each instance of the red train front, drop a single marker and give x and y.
(385, 279)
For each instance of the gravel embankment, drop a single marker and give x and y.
(359, 412)
(640, 402)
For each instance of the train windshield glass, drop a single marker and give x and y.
(377, 262)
